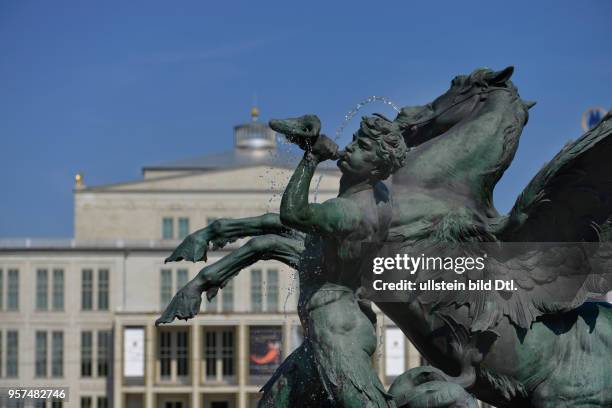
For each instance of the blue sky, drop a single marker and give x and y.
(107, 87)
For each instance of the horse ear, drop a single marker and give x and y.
(500, 77)
(529, 104)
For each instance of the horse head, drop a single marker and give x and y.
(466, 137)
(467, 95)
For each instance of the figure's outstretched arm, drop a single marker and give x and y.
(186, 303)
(225, 230)
(333, 216)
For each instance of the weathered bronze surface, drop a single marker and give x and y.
(528, 348)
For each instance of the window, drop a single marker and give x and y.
(183, 227)
(57, 356)
(256, 294)
(42, 289)
(272, 289)
(210, 354)
(43, 278)
(86, 353)
(85, 402)
(167, 228)
(12, 353)
(87, 289)
(58, 289)
(211, 305)
(219, 357)
(227, 352)
(165, 287)
(103, 289)
(102, 402)
(41, 354)
(104, 344)
(165, 354)
(12, 296)
(182, 353)
(173, 354)
(227, 297)
(182, 277)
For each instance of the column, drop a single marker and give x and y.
(242, 364)
(196, 345)
(150, 364)
(117, 369)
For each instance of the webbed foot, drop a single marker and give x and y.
(302, 131)
(184, 305)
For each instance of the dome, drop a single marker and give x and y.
(254, 135)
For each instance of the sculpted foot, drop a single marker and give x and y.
(301, 131)
(184, 305)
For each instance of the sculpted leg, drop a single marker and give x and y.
(186, 303)
(225, 230)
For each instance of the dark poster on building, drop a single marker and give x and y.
(264, 350)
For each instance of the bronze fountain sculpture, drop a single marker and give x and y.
(543, 345)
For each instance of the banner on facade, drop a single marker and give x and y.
(133, 352)
(265, 352)
(394, 352)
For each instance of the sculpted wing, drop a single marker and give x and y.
(552, 242)
(571, 196)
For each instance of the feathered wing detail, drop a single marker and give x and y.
(551, 245)
(547, 278)
(570, 197)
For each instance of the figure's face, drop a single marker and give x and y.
(360, 159)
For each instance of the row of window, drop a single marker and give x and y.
(50, 285)
(86, 402)
(101, 402)
(264, 290)
(218, 357)
(178, 227)
(49, 353)
(95, 285)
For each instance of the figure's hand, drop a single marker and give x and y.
(184, 305)
(324, 149)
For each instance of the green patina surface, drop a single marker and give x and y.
(541, 346)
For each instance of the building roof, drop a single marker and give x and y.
(255, 144)
(236, 158)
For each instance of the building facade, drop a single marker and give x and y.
(80, 313)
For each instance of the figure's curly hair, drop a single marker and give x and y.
(390, 145)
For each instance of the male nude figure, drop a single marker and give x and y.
(340, 339)
(333, 365)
